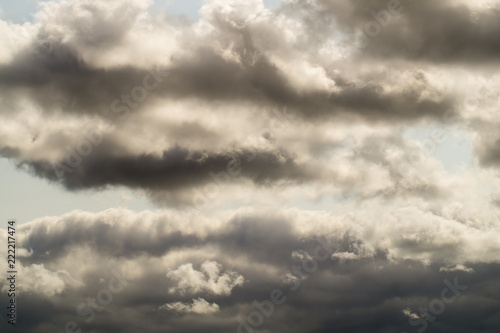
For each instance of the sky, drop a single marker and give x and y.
(251, 166)
(48, 199)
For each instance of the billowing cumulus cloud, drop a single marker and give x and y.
(232, 59)
(176, 269)
(242, 61)
(207, 279)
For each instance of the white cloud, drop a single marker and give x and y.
(407, 312)
(208, 279)
(38, 279)
(344, 256)
(198, 306)
(456, 268)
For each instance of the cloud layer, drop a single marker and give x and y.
(175, 266)
(275, 144)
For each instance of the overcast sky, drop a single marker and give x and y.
(252, 166)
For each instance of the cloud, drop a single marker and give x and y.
(207, 279)
(263, 136)
(38, 279)
(175, 261)
(74, 60)
(198, 306)
(211, 99)
(458, 267)
(448, 236)
(174, 168)
(444, 31)
(343, 256)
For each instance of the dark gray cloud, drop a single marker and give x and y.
(208, 75)
(58, 80)
(436, 31)
(486, 142)
(69, 75)
(179, 175)
(53, 71)
(489, 152)
(172, 170)
(56, 77)
(364, 293)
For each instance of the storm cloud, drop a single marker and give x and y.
(304, 164)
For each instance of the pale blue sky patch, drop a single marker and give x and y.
(449, 144)
(188, 8)
(18, 11)
(272, 3)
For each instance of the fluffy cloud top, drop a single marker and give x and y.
(207, 279)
